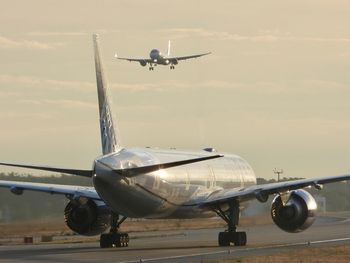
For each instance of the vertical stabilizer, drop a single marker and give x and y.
(109, 137)
(169, 45)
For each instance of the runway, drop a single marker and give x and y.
(186, 246)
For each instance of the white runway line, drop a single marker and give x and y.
(229, 251)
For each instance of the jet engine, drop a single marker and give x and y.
(174, 62)
(296, 214)
(143, 63)
(87, 218)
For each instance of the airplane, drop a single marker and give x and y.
(168, 184)
(157, 58)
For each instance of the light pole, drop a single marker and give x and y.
(278, 172)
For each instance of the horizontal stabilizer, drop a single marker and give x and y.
(131, 172)
(86, 173)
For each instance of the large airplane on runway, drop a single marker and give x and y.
(157, 58)
(152, 183)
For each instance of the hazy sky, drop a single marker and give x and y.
(276, 89)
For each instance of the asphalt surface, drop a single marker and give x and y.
(186, 246)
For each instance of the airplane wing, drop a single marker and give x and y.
(261, 192)
(86, 173)
(132, 172)
(147, 60)
(188, 57)
(67, 190)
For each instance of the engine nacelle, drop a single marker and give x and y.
(174, 62)
(297, 214)
(143, 63)
(87, 218)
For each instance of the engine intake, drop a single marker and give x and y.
(297, 214)
(87, 218)
(143, 63)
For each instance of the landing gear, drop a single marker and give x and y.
(114, 238)
(172, 67)
(237, 238)
(151, 67)
(231, 217)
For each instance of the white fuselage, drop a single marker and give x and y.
(168, 193)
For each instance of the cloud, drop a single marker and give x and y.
(56, 33)
(137, 87)
(11, 115)
(6, 94)
(48, 83)
(306, 86)
(68, 104)
(263, 36)
(317, 85)
(344, 55)
(7, 43)
(71, 33)
(79, 85)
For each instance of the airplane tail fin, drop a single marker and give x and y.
(169, 45)
(109, 139)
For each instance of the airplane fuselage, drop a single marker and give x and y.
(168, 193)
(157, 57)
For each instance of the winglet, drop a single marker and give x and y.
(169, 46)
(132, 172)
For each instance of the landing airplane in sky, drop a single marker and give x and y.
(153, 183)
(157, 58)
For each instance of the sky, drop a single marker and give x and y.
(275, 89)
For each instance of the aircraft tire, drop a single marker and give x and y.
(114, 240)
(106, 241)
(224, 239)
(240, 239)
(237, 238)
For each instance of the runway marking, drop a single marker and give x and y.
(330, 240)
(229, 251)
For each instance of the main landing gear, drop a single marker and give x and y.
(231, 217)
(151, 66)
(172, 67)
(114, 238)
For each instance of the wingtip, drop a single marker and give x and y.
(95, 36)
